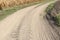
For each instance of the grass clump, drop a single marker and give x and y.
(58, 19)
(50, 7)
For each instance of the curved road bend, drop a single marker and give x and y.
(27, 24)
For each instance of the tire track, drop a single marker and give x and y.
(15, 34)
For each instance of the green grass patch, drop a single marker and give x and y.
(8, 11)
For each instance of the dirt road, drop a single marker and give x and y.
(27, 24)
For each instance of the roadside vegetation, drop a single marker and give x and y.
(7, 7)
(53, 13)
(11, 3)
(8, 11)
(50, 7)
(58, 19)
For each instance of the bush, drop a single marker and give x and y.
(50, 7)
(58, 19)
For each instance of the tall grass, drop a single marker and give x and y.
(10, 3)
(11, 6)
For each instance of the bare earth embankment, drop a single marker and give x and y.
(27, 24)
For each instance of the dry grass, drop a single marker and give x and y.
(21, 4)
(10, 3)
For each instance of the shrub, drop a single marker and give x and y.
(50, 7)
(58, 19)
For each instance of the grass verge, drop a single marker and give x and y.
(8, 11)
(5, 12)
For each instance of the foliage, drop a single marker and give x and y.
(58, 19)
(50, 7)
